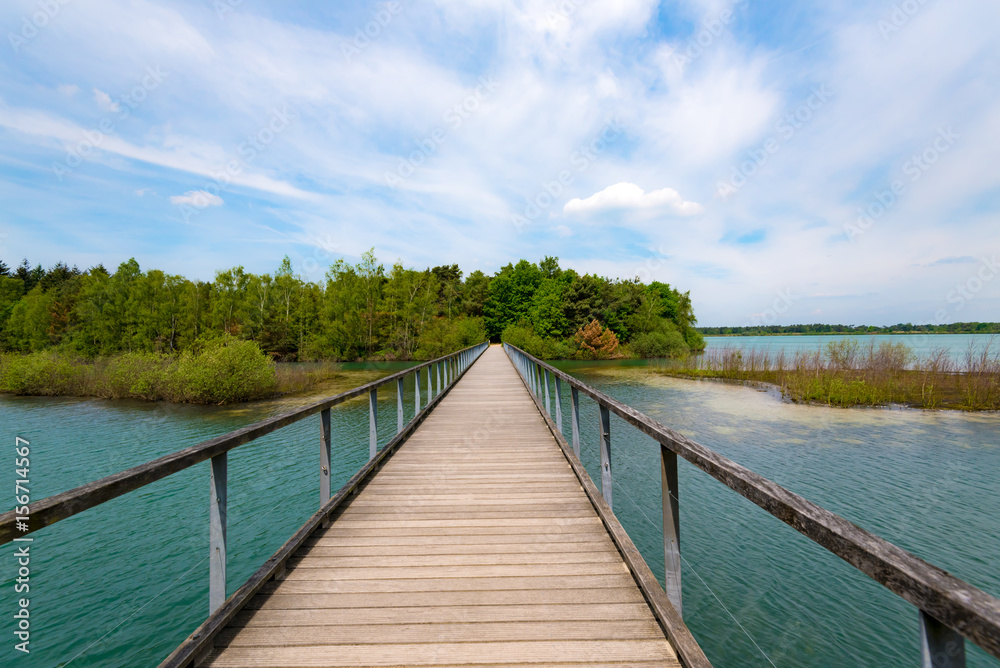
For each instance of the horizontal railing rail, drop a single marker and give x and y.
(949, 609)
(46, 512)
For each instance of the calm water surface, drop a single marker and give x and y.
(122, 584)
(923, 345)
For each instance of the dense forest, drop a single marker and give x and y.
(902, 328)
(360, 311)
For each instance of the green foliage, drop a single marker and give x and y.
(223, 370)
(358, 311)
(442, 336)
(660, 344)
(42, 373)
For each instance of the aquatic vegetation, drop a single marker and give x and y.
(222, 370)
(848, 373)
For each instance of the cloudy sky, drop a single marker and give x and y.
(829, 161)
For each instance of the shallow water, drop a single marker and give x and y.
(122, 584)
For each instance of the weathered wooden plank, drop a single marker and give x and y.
(468, 653)
(435, 572)
(300, 596)
(461, 584)
(438, 632)
(268, 617)
(316, 559)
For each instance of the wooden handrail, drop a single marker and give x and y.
(50, 510)
(943, 600)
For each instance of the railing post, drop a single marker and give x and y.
(324, 457)
(217, 511)
(372, 423)
(606, 454)
(575, 420)
(437, 367)
(940, 645)
(671, 525)
(399, 405)
(559, 404)
(416, 393)
(547, 403)
(430, 385)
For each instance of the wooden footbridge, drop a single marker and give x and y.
(476, 537)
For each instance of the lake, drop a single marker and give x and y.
(122, 584)
(923, 345)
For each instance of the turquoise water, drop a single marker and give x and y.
(923, 345)
(122, 584)
(925, 481)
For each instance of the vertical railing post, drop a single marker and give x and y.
(217, 511)
(606, 454)
(372, 423)
(575, 420)
(671, 525)
(399, 405)
(416, 392)
(430, 385)
(324, 457)
(437, 367)
(548, 408)
(559, 404)
(940, 645)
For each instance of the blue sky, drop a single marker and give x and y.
(785, 162)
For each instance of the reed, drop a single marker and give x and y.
(847, 373)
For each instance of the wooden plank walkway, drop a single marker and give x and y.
(474, 545)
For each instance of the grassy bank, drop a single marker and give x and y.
(847, 373)
(218, 372)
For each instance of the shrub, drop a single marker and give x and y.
(43, 373)
(223, 371)
(135, 375)
(596, 342)
(660, 344)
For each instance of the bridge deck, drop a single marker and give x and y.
(475, 544)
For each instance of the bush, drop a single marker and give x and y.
(660, 344)
(136, 376)
(44, 373)
(441, 336)
(223, 371)
(596, 342)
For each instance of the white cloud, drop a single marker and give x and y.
(104, 101)
(630, 196)
(69, 90)
(197, 198)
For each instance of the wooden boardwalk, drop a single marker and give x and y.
(475, 545)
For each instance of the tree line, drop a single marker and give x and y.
(359, 311)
